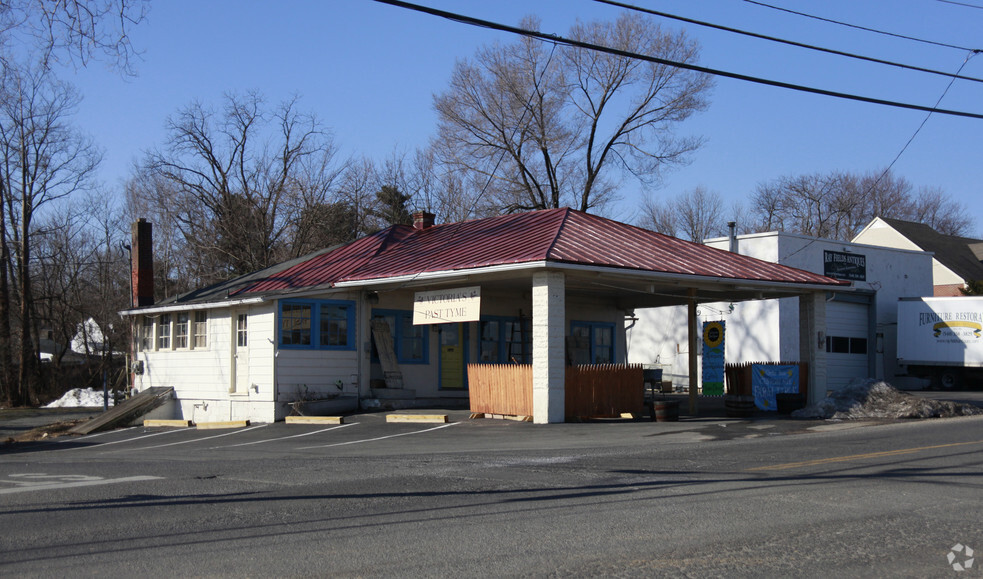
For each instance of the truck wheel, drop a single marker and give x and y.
(946, 380)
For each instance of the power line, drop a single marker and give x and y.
(784, 41)
(966, 4)
(676, 64)
(864, 28)
(885, 172)
(920, 127)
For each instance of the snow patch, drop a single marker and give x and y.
(79, 397)
(868, 398)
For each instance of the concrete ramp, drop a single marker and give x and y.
(124, 413)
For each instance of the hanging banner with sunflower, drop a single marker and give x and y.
(713, 358)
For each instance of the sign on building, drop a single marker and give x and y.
(445, 306)
(846, 266)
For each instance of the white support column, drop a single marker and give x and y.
(548, 346)
(694, 346)
(812, 342)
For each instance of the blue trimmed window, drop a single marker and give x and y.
(504, 340)
(410, 343)
(317, 324)
(599, 336)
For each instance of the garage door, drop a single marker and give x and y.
(848, 347)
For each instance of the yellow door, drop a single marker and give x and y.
(451, 357)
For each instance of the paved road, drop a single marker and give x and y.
(497, 498)
(17, 421)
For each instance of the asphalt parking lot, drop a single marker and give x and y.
(361, 430)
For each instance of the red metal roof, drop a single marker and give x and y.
(554, 235)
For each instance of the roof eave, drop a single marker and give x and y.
(443, 275)
(183, 307)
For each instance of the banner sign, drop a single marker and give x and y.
(847, 266)
(941, 330)
(445, 306)
(713, 358)
(767, 380)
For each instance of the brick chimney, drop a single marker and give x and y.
(423, 220)
(142, 263)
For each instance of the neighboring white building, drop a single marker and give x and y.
(860, 333)
(955, 260)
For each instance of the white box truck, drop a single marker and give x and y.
(942, 339)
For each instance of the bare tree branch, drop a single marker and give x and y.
(549, 126)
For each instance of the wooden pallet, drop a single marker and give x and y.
(139, 405)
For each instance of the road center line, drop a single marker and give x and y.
(378, 438)
(286, 437)
(818, 461)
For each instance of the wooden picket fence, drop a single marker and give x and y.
(594, 391)
(500, 389)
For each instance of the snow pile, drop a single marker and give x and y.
(874, 399)
(78, 397)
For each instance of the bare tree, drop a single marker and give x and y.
(177, 268)
(934, 208)
(838, 205)
(696, 215)
(236, 183)
(73, 30)
(356, 190)
(451, 195)
(660, 216)
(42, 160)
(547, 126)
(41, 32)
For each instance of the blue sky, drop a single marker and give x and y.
(369, 71)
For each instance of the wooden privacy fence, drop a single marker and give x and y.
(739, 376)
(590, 391)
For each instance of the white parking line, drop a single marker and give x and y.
(237, 431)
(285, 437)
(378, 438)
(117, 441)
(98, 434)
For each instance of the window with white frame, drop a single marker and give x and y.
(200, 330)
(242, 331)
(164, 332)
(147, 334)
(181, 327)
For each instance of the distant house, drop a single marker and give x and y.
(956, 260)
(400, 314)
